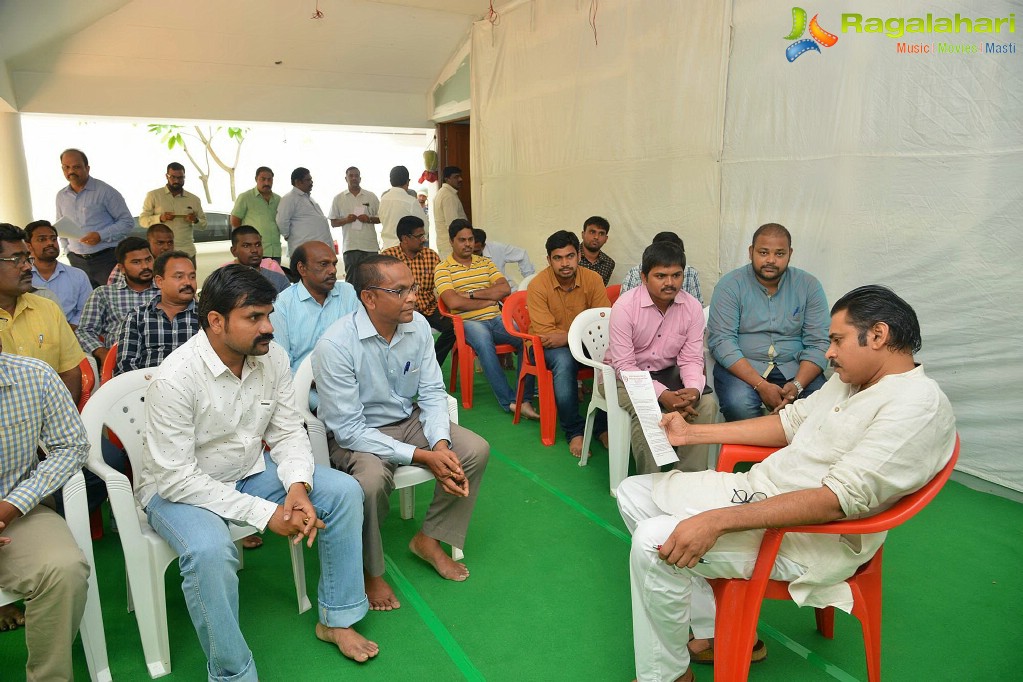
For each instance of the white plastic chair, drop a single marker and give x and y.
(405, 477)
(588, 339)
(119, 405)
(524, 284)
(76, 512)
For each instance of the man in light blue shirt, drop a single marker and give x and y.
(299, 218)
(70, 285)
(368, 367)
(99, 210)
(502, 255)
(768, 330)
(303, 313)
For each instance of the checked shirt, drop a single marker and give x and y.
(105, 310)
(147, 335)
(423, 267)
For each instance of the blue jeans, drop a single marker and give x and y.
(482, 336)
(208, 561)
(565, 369)
(738, 399)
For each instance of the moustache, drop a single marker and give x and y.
(264, 338)
(189, 290)
(834, 365)
(146, 273)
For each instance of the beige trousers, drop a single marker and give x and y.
(44, 563)
(447, 519)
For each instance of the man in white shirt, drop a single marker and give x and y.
(447, 207)
(878, 430)
(395, 204)
(357, 212)
(502, 255)
(299, 218)
(216, 399)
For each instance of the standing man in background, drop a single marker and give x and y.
(258, 207)
(97, 207)
(176, 208)
(395, 204)
(446, 207)
(299, 217)
(356, 210)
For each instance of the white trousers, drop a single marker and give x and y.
(667, 601)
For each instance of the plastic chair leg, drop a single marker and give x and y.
(298, 571)
(825, 621)
(588, 435)
(150, 600)
(548, 409)
(96, 523)
(407, 502)
(735, 630)
(867, 608)
(453, 383)
(468, 376)
(620, 440)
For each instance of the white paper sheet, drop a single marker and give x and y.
(641, 392)
(68, 228)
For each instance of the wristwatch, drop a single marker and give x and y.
(472, 295)
(799, 387)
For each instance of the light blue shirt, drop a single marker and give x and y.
(97, 208)
(355, 367)
(299, 321)
(71, 286)
(746, 323)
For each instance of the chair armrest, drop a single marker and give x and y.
(317, 439)
(732, 454)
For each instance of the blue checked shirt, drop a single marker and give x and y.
(35, 407)
(105, 310)
(147, 336)
(690, 281)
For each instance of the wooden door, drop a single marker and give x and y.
(453, 150)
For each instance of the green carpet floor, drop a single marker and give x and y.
(548, 598)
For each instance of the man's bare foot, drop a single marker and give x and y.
(252, 541)
(381, 596)
(575, 446)
(11, 618)
(603, 440)
(430, 551)
(528, 412)
(698, 645)
(351, 643)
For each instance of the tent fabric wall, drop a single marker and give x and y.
(900, 169)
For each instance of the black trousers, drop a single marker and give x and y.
(96, 265)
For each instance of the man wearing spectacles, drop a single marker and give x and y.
(31, 325)
(422, 261)
(382, 399)
(175, 207)
(99, 210)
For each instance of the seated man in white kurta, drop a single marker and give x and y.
(877, 431)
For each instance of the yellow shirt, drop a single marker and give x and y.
(39, 330)
(481, 273)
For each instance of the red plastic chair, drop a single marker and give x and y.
(738, 601)
(109, 363)
(515, 316)
(613, 292)
(463, 356)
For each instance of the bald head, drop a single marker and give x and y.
(317, 266)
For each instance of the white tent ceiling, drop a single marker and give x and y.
(365, 62)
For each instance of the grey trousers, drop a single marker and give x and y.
(447, 519)
(690, 457)
(44, 563)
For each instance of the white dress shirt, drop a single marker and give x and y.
(205, 429)
(395, 204)
(300, 219)
(357, 236)
(502, 254)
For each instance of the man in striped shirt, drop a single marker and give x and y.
(151, 331)
(38, 555)
(472, 287)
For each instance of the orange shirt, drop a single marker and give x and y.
(552, 308)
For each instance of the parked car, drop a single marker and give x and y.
(212, 245)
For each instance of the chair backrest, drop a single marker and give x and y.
(524, 284)
(613, 292)
(88, 382)
(109, 362)
(589, 337)
(120, 405)
(515, 314)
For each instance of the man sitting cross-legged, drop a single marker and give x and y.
(210, 407)
(878, 430)
(555, 297)
(368, 367)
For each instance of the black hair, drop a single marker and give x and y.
(407, 225)
(237, 233)
(451, 170)
(11, 233)
(160, 264)
(457, 225)
(867, 305)
(158, 227)
(399, 176)
(367, 273)
(662, 255)
(479, 235)
(669, 237)
(772, 230)
(560, 240)
(72, 150)
(597, 221)
(263, 169)
(174, 165)
(129, 244)
(233, 286)
(35, 225)
(298, 174)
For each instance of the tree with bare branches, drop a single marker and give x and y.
(178, 136)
